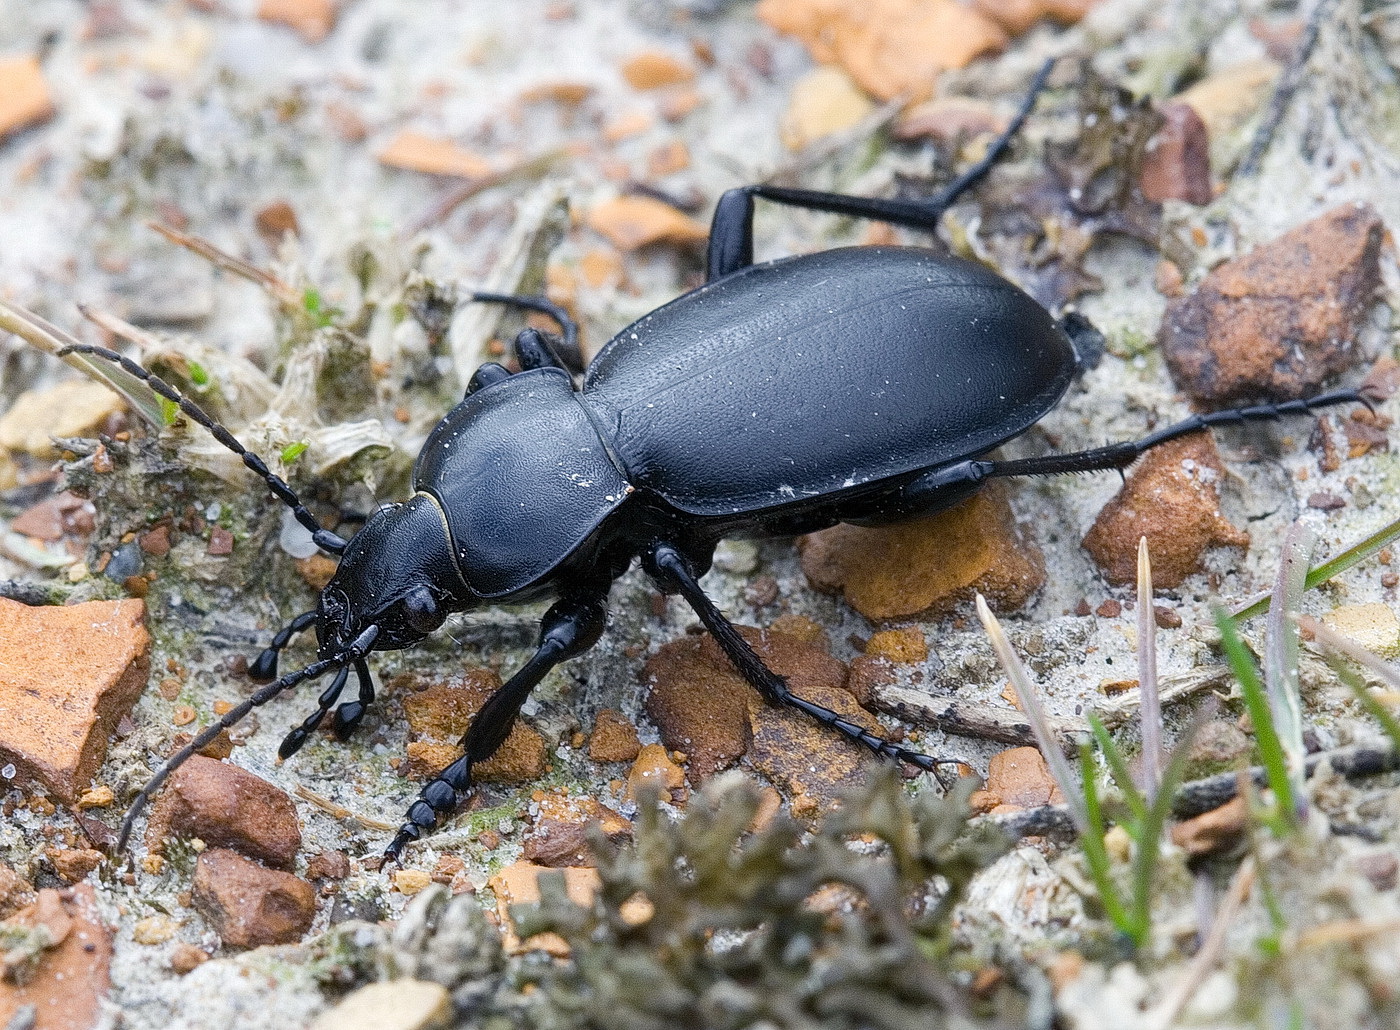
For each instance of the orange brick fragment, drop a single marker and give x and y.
(24, 95)
(311, 19)
(419, 152)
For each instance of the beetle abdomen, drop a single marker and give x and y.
(804, 377)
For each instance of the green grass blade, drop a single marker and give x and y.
(1352, 556)
(1095, 854)
(1118, 766)
(1271, 753)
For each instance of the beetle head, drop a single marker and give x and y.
(396, 574)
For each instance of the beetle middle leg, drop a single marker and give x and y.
(570, 627)
(673, 572)
(731, 229)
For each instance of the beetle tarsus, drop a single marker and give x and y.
(264, 667)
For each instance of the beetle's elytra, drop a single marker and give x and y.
(859, 385)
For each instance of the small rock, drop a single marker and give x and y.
(519, 884)
(948, 120)
(868, 674)
(614, 738)
(701, 704)
(1018, 16)
(67, 987)
(1219, 742)
(55, 517)
(1227, 100)
(1215, 831)
(1373, 626)
(654, 769)
(67, 676)
(1381, 868)
(248, 904)
(1176, 165)
(186, 958)
(1324, 501)
(1172, 497)
(653, 69)
(154, 930)
(822, 102)
(328, 865)
(220, 541)
(390, 1005)
(928, 566)
(156, 542)
(562, 829)
(74, 407)
(74, 864)
(15, 891)
(226, 807)
(24, 95)
(892, 48)
(1281, 320)
(1109, 608)
(439, 715)
(432, 155)
(632, 222)
(311, 19)
(276, 220)
(1020, 778)
(410, 881)
(1166, 618)
(903, 646)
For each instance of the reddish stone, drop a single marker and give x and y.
(15, 891)
(74, 864)
(328, 865)
(71, 977)
(1281, 320)
(226, 807)
(1019, 778)
(1172, 497)
(67, 676)
(1218, 830)
(440, 713)
(563, 829)
(614, 738)
(1176, 165)
(249, 905)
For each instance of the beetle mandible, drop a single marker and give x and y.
(862, 384)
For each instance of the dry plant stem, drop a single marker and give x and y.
(987, 721)
(282, 292)
(1147, 677)
(1045, 735)
(117, 327)
(1288, 84)
(1205, 795)
(1240, 885)
(338, 811)
(1281, 650)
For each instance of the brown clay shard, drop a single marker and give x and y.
(928, 566)
(440, 713)
(67, 676)
(249, 905)
(563, 827)
(1172, 497)
(614, 738)
(66, 982)
(1281, 320)
(892, 48)
(701, 704)
(226, 807)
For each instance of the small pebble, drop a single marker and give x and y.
(390, 1005)
(311, 19)
(24, 94)
(614, 738)
(248, 904)
(227, 807)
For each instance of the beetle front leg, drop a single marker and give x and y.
(673, 573)
(569, 628)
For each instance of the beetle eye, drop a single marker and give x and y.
(421, 611)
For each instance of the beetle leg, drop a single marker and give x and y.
(1120, 455)
(348, 715)
(731, 229)
(264, 667)
(569, 628)
(569, 349)
(673, 573)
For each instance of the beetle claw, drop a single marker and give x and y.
(264, 667)
(347, 717)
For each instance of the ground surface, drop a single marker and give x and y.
(205, 118)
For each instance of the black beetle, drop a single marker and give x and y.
(856, 385)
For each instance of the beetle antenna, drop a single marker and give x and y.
(544, 306)
(324, 538)
(354, 653)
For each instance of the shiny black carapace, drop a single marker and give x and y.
(860, 385)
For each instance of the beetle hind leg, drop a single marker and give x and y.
(669, 567)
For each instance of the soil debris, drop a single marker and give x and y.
(562, 830)
(226, 807)
(67, 677)
(1172, 497)
(248, 904)
(1278, 322)
(1176, 165)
